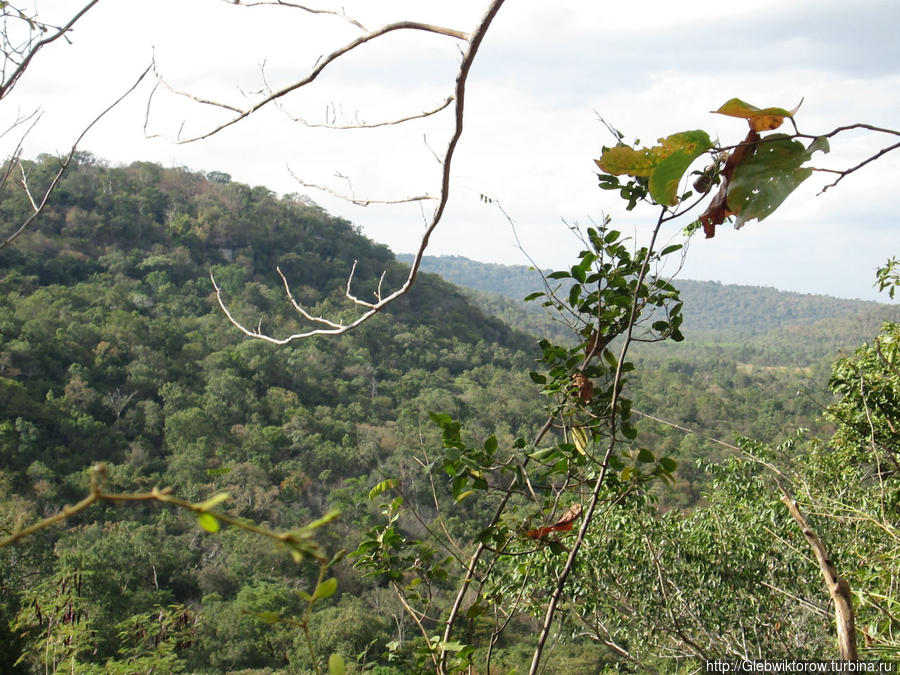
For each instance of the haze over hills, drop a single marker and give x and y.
(714, 312)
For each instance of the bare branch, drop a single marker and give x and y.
(320, 66)
(837, 586)
(293, 5)
(9, 82)
(352, 198)
(38, 207)
(846, 172)
(369, 125)
(332, 328)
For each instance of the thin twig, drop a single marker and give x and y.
(595, 496)
(38, 208)
(315, 72)
(459, 98)
(7, 85)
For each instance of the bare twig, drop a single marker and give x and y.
(293, 5)
(319, 67)
(370, 125)
(370, 309)
(10, 82)
(353, 199)
(38, 207)
(846, 172)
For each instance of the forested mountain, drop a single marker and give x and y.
(113, 349)
(714, 312)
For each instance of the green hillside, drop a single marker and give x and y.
(113, 349)
(762, 327)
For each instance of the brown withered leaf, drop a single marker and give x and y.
(564, 524)
(584, 385)
(718, 211)
(591, 347)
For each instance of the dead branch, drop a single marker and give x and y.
(846, 172)
(32, 48)
(352, 198)
(328, 327)
(293, 5)
(367, 125)
(38, 206)
(316, 71)
(837, 586)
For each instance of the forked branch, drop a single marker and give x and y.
(31, 48)
(244, 113)
(369, 309)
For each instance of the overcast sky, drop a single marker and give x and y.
(544, 73)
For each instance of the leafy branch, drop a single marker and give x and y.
(300, 542)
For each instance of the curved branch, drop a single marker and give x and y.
(846, 172)
(459, 97)
(353, 199)
(10, 82)
(293, 5)
(372, 125)
(316, 71)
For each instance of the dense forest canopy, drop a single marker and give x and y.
(114, 349)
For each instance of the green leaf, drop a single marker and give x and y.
(326, 589)
(268, 617)
(668, 464)
(208, 522)
(534, 296)
(537, 378)
(336, 665)
(762, 182)
(451, 646)
(663, 164)
(324, 520)
(644, 455)
(381, 487)
(490, 445)
(670, 249)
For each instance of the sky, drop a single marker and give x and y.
(544, 75)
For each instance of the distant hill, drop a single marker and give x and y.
(757, 318)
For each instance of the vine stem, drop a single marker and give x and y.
(604, 467)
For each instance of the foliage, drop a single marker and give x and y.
(477, 521)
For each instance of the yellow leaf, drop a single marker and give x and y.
(580, 439)
(208, 522)
(759, 119)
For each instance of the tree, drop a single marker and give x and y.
(584, 462)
